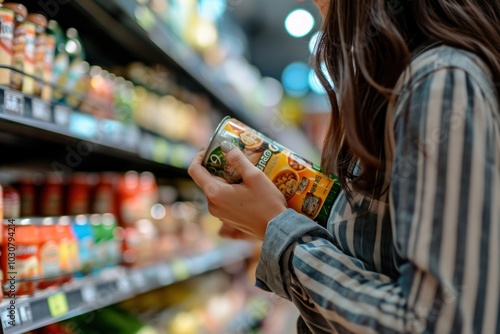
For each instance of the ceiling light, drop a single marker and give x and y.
(299, 23)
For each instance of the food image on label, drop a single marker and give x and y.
(311, 204)
(287, 182)
(305, 188)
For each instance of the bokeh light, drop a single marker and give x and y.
(299, 23)
(295, 79)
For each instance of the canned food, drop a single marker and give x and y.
(6, 37)
(19, 43)
(305, 188)
(24, 57)
(40, 23)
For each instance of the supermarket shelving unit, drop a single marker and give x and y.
(111, 286)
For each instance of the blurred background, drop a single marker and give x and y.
(104, 103)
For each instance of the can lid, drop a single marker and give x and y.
(38, 19)
(216, 132)
(17, 8)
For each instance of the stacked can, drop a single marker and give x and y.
(304, 186)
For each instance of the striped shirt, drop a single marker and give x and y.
(423, 257)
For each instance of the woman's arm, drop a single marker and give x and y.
(445, 209)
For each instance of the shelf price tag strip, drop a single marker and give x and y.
(40, 110)
(13, 103)
(58, 304)
(61, 115)
(164, 275)
(180, 270)
(89, 293)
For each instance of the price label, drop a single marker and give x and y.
(13, 103)
(138, 279)
(89, 293)
(58, 304)
(180, 270)
(61, 115)
(40, 110)
(123, 285)
(25, 313)
(8, 320)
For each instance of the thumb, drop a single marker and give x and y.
(238, 160)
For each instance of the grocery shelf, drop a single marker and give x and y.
(33, 118)
(111, 286)
(125, 20)
(156, 37)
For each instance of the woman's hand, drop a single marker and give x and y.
(247, 206)
(227, 231)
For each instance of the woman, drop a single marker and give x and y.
(413, 241)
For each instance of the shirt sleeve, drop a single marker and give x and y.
(445, 213)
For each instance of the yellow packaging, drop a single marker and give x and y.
(6, 37)
(48, 64)
(28, 56)
(305, 188)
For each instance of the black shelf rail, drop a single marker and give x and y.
(37, 119)
(110, 286)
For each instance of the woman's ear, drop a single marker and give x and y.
(322, 6)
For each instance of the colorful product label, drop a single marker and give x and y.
(6, 38)
(40, 45)
(29, 57)
(50, 258)
(48, 63)
(305, 188)
(27, 265)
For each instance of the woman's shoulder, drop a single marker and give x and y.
(444, 57)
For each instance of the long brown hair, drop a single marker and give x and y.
(364, 48)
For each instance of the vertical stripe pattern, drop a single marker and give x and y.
(423, 257)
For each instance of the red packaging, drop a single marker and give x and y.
(104, 195)
(78, 195)
(131, 246)
(20, 249)
(148, 193)
(27, 194)
(11, 203)
(128, 199)
(51, 196)
(49, 253)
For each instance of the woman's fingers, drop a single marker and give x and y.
(201, 176)
(238, 161)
